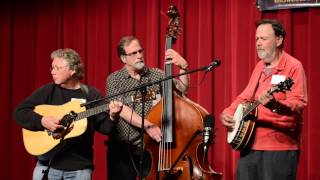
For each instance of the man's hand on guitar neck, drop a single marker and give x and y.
(265, 97)
(115, 109)
(51, 123)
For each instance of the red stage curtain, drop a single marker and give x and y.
(31, 29)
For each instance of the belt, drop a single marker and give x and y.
(44, 163)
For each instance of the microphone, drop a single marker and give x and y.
(215, 63)
(207, 131)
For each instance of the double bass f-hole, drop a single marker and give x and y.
(180, 154)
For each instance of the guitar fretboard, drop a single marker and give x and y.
(250, 108)
(104, 107)
(285, 85)
(92, 111)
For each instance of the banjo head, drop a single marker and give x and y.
(237, 117)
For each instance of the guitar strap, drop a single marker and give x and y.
(84, 89)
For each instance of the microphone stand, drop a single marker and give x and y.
(143, 102)
(142, 88)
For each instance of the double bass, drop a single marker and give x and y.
(180, 153)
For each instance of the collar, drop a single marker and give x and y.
(144, 72)
(282, 62)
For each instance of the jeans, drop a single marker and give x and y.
(55, 174)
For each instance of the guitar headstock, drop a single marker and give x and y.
(282, 86)
(150, 95)
(173, 28)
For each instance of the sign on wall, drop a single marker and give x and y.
(286, 4)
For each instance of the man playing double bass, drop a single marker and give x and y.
(124, 144)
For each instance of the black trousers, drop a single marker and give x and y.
(120, 165)
(267, 165)
(124, 162)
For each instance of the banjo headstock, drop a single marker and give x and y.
(282, 86)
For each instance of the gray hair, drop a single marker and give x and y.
(73, 60)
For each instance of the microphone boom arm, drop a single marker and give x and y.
(210, 67)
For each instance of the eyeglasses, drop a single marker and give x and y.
(56, 68)
(134, 53)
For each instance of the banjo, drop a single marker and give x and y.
(246, 115)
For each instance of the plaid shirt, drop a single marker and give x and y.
(120, 81)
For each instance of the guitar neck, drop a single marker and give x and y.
(92, 111)
(104, 107)
(250, 108)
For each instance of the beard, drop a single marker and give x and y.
(267, 57)
(139, 65)
(262, 54)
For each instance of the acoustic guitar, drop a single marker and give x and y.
(73, 118)
(245, 117)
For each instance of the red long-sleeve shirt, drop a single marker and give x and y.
(278, 130)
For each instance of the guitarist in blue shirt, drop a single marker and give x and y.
(71, 158)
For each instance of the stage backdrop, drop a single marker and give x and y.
(31, 29)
